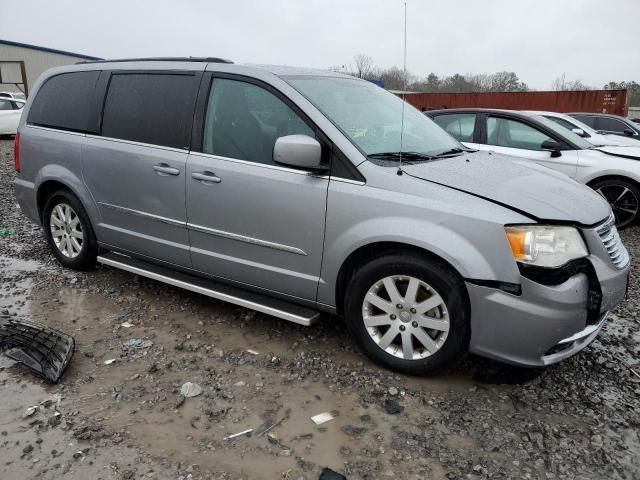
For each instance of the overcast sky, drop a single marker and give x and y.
(592, 40)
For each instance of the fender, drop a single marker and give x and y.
(437, 239)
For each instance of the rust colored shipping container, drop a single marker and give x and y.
(596, 101)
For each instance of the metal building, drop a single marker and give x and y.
(21, 64)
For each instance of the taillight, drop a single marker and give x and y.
(16, 152)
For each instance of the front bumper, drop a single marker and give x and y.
(545, 323)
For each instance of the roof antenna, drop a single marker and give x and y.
(404, 86)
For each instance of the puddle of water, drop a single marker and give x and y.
(10, 264)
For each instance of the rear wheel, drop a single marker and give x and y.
(624, 198)
(408, 314)
(68, 231)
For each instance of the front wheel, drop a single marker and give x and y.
(68, 231)
(624, 198)
(408, 314)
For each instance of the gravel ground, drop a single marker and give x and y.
(127, 419)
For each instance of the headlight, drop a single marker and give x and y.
(545, 246)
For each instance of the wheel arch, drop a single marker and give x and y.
(56, 177)
(601, 178)
(365, 253)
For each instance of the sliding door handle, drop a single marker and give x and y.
(206, 177)
(164, 169)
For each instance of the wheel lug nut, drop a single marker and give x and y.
(402, 327)
(414, 324)
(392, 316)
(412, 310)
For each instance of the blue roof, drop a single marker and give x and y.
(50, 50)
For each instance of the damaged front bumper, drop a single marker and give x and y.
(548, 319)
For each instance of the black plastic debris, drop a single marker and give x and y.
(392, 407)
(44, 350)
(328, 474)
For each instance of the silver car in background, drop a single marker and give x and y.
(295, 192)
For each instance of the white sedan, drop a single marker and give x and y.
(10, 111)
(598, 139)
(612, 171)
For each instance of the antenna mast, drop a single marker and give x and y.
(404, 85)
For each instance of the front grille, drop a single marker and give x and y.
(612, 243)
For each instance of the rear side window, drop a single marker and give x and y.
(588, 119)
(150, 108)
(5, 105)
(64, 101)
(611, 125)
(459, 125)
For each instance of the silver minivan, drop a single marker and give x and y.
(295, 192)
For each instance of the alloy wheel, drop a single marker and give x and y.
(406, 317)
(623, 201)
(66, 230)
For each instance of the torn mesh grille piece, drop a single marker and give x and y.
(44, 350)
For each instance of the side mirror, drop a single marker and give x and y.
(580, 132)
(552, 146)
(298, 151)
(628, 132)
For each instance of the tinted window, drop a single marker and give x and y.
(5, 105)
(503, 132)
(150, 108)
(459, 125)
(64, 101)
(243, 121)
(611, 125)
(588, 119)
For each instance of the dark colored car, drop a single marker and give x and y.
(610, 124)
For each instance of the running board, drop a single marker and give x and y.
(255, 301)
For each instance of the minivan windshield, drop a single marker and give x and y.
(372, 118)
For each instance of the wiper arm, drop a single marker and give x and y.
(453, 151)
(397, 155)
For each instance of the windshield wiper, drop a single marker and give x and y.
(453, 152)
(396, 155)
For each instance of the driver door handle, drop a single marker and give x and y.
(164, 169)
(206, 177)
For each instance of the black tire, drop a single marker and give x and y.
(624, 197)
(437, 275)
(86, 257)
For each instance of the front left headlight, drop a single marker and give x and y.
(545, 245)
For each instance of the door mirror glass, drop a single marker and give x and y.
(298, 151)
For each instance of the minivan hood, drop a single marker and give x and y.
(521, 185)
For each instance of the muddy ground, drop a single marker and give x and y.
(127, 419)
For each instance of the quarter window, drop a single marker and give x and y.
(244, 120)
(150, 108)
(459, 125)
(504, 132)
(64, 101)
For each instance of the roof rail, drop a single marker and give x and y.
(162, 59)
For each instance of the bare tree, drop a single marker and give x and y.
(365, 67)
(561, 83)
